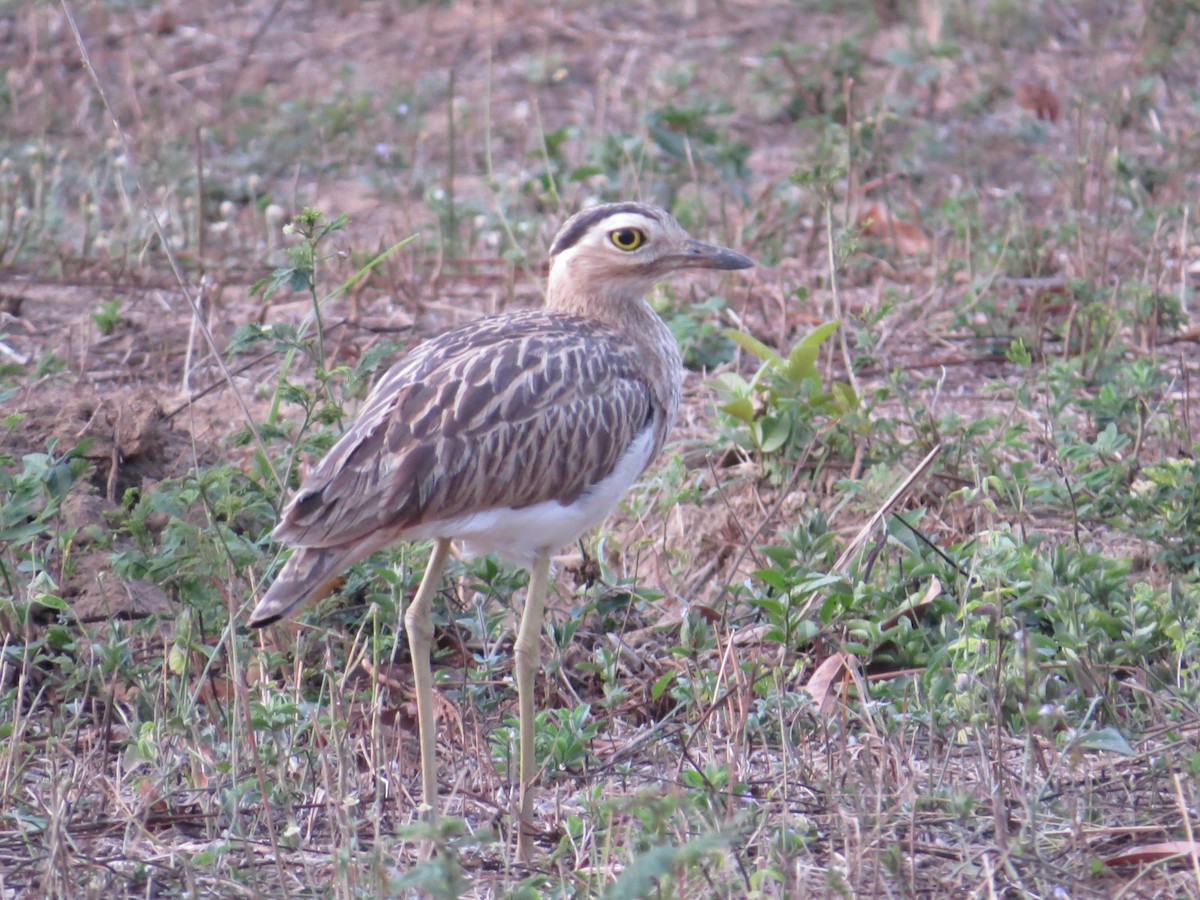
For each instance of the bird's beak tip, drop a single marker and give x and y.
(264, 615)
(710, 256)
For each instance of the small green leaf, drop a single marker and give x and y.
(246, 336)
(20, 534)
(731, 384)
(661, 684)
(773, 578)
(642, 874)
(847, 398)
(1017, 354)
(741, 409)
(60, 638)
(774, 432)
(336, 225)
(751, 345)
(801, 360)
(52, 601)
(1107, 739)
(582, 173)
(177, 660)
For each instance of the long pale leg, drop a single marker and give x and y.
(525, 665)
(418, 620)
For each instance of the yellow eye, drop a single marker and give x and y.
(627, 238)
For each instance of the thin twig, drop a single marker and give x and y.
(837, 302)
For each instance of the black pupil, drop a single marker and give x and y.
(626, 237)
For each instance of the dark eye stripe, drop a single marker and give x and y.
(583, 222)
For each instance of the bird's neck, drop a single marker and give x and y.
(620, 310)
(639, 325)
(624, 310)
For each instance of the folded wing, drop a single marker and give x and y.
(477, 419)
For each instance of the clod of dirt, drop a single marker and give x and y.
(130, 444)
(127, 437)
(92, 589)
(96, 594)
(83, 512)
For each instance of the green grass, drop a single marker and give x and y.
(792, 664)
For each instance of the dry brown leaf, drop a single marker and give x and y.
(914, 611)
(390, 675)
(448, 718)
(1037, 97)
(1148, 853)
(152, 795)
(751, 634)
(877, 221)
(821, 684)
(216, 687)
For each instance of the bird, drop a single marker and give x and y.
(512, 435)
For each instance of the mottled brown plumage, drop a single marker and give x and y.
(494, 414)
(513, 434)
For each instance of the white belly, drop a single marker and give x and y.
(520, 535)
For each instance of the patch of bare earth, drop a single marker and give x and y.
(123, 435)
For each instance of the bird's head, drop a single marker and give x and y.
(617, 252)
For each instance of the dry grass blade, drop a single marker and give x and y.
(1185, 853)
(873, 522)
(887, 506)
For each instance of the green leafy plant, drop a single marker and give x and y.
(780, 403)
(108, 316)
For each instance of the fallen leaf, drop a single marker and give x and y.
(821, 684)
(877, 221)
(1037, 97)
(914, 611)
(1148, 853)
(218, 688)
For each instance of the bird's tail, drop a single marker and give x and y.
(310, 574)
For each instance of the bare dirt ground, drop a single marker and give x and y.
(478, 127)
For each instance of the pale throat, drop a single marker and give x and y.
(575, 290)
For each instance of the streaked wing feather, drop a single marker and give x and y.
(482, 417)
